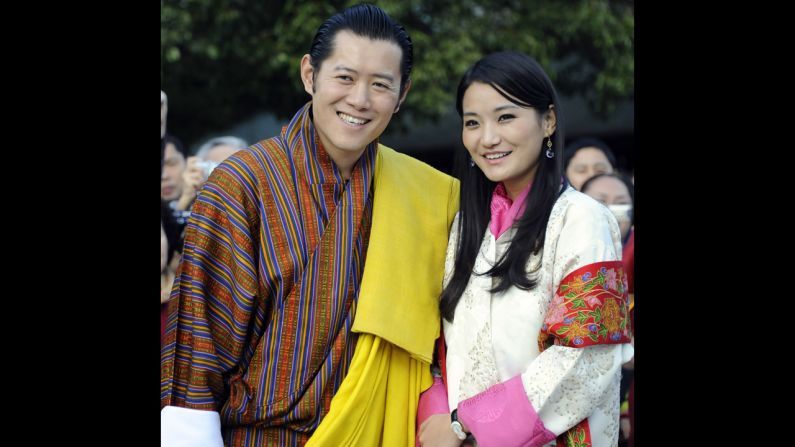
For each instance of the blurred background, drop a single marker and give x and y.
(231, 67)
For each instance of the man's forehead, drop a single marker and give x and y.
(347, 49)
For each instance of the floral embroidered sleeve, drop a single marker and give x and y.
(590, 307)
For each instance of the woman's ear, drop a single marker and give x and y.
(550, 121)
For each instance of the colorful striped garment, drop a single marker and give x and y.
(260, 323)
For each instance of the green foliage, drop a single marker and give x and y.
(223, 60)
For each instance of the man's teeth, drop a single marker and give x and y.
(496, 156)
(351, 119)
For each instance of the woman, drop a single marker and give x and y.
(585, 158)
(617, 193)
(534, 307)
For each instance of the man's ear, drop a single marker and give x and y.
(403, 97)
(308, 74)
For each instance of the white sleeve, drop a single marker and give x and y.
(186, 427)
(568, 384)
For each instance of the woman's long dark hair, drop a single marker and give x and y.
(521, 80)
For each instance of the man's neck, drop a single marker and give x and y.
(345, 161)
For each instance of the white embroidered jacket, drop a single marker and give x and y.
(494, 337)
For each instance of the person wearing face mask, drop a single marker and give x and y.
(617, 193)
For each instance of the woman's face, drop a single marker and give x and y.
(503, 139)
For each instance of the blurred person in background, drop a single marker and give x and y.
(218, 149)
(199, 167)
(617, 193)
(585, 158)
(172, 183)
(172, 188)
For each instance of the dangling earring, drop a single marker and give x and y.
(471, 162)
(550, 154)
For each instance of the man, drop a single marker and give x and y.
(174, 158)
(173, 189)
(306, 306)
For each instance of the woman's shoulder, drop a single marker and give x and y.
(580, 205)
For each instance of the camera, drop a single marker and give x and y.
(207, 167)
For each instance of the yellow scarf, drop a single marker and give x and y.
(397, 317)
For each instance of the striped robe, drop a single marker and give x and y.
(262, 307)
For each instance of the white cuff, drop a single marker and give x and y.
(627, 352)
(186, 427)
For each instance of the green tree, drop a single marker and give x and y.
(223, 60)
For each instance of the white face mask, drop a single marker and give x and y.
(621, 211)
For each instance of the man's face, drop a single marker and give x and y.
(171, 180)
(354, 93)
